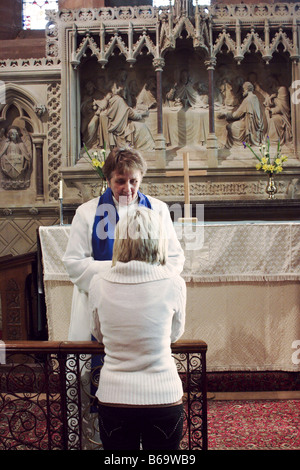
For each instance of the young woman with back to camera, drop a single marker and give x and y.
(137, 309)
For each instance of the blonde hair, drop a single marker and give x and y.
(140, 236)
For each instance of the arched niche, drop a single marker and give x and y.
(22, 111)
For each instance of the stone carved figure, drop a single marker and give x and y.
(227, 92)
(245, 124)
(124, 124)
(89, 122)
(278, 116)
(186, 113)
(261, 95)
(99, 122)
(146, 99)
(121, 82)
(202, 90)
(90, 118)
(183, 93)
(16, 156)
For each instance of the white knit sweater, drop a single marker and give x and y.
(137, 310)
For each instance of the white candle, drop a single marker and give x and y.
(60, 189)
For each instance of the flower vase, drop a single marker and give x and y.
(271, 188)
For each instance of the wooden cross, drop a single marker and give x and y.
(186, 173)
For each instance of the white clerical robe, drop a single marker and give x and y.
(81, 266)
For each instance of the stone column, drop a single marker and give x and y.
(212, 144)
(295, 105)
(295, 91)
(160, 143)
(38, 142)
(74, 115)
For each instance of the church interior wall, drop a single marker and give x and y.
(15, 42)
(38, 100)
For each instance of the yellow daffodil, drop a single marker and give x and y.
(97, 160)
(265, 162)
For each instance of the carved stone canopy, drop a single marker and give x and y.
(218, 48)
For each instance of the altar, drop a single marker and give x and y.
(243, 292)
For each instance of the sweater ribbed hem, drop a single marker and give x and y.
(138, 388)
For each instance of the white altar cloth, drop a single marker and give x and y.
(245, 251)
(243, 293)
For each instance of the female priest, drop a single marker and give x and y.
(137, 308)
(91, 240)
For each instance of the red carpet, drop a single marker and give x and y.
(254, 425)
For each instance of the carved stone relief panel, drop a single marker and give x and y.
(22, 124)
(16, 147)
(132, 91)
(258, 90)
(119, 103)
(115, 104)
(15, 157)
(221, 189)
(114, 61)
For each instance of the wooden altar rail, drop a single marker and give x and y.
(45, 393)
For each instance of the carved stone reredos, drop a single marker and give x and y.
(233, 40)
(223, 43)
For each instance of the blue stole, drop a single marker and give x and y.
(105, 222)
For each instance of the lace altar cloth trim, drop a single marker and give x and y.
(214, 252)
